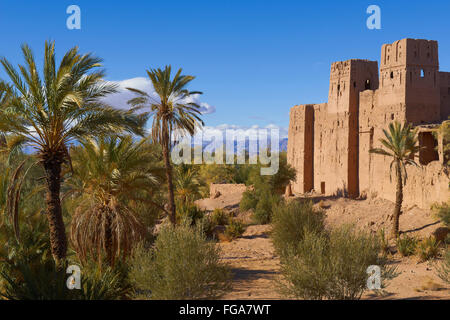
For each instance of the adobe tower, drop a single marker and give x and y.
(329, 143)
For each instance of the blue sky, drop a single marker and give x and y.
(253, 59)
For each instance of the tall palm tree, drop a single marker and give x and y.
(173, 110)
(52, 110)
(5, 90)
(400, 143)
(110, 175)
(5, 96)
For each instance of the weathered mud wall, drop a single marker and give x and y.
(329, 143)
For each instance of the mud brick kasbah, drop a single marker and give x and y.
(329, 143)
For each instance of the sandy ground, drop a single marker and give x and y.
(256, 266)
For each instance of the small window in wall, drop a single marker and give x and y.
(422, 73)
(392, 116)
(392, 75)
(339, 87)
(367, 85)
(427, 152)
(322, 187)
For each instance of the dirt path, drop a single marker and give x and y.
(256, 268)
(254, 264)
(256, 272)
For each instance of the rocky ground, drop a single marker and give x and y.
(256, 266)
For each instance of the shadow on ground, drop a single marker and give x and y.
(246, 274)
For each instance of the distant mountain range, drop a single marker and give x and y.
(282, 145)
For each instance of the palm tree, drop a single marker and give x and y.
(110, 175)
(173, 110)
(187, 184)
(401, 145)
(48, 112)
(5, 90)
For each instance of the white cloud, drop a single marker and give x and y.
(120, 99)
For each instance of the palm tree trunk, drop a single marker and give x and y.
(109, 237)
(171, 198)
(58, 240)
(398, 201)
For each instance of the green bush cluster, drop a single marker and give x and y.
(266, 190)
(220, 218)
(290, 223)
(249, 200)
(188, 212)
(443, 213)
(330, 266)
(443, 270)
(28, 271)
(38, 278)
(263, 201)
(182, 264)
(105, 282)
(406, 245)
(384, 242)
(264, 209)
(320, 264)
(428, 248)
(234, 229)
(248, 173)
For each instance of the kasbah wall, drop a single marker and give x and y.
(329, 143)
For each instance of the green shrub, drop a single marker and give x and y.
(40, 280)
(291, 221)
(428, 249)
(306, 274)
(443, 213)
(207, 226)
(264, 209)
(331, 266)
(235, 229)
(443, 270)
(104, 283)
(406, 245)
(384, 242)
(28, 271)
(249, 200)
(219, 217)
(277, 182)
(266, 190)
(188, 213)
(181, 265)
